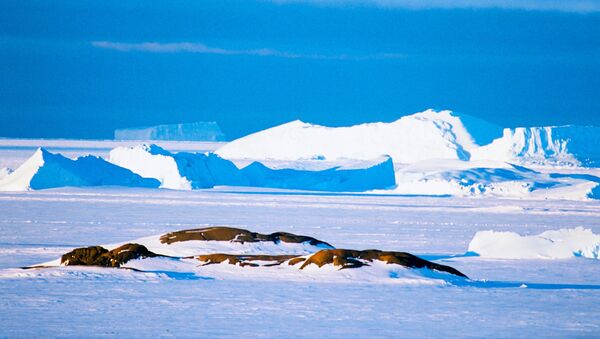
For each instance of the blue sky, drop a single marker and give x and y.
(82, 68)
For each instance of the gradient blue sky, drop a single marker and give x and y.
(82, 68)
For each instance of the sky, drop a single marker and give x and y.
(80, 69)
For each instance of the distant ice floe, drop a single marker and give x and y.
(558, 244)
(195, 131)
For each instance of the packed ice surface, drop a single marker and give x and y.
(554, 244)
(492, 178)
(197, 170)
(48, 170)
(523, 297)
(195, 131)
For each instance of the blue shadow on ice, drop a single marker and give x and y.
(180, 275)
(515, 284)
(431, 257)
(461, 282)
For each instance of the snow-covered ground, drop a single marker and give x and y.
(531, 256)
(519, 297)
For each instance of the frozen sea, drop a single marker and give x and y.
(508, 298)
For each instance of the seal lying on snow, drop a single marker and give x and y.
(324, 254)
(222, 233)
(341, 258)
(100, 256)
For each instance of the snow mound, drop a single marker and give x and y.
(48, 170)
(560, 145)
(425, 135)
(195, 131)
(559, 244)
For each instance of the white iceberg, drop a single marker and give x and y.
(205, 170)
(195, 131)
(556, 146)
(183, 171)
(413, 138)
(48, 170)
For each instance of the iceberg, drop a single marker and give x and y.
(421, 136)
(428, 135)
(181, 171)
(556, 146)
(195, 131)
(48, 170)
(378, 174)
(185, 171)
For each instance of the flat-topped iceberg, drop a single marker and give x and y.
(377, 174)
(49, 170)
(177, 170)
(195, 131)
(205, 170)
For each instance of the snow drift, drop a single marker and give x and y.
(559, 244)
(425, 135)
(198, 170)
(195, 131)
(48, 170)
